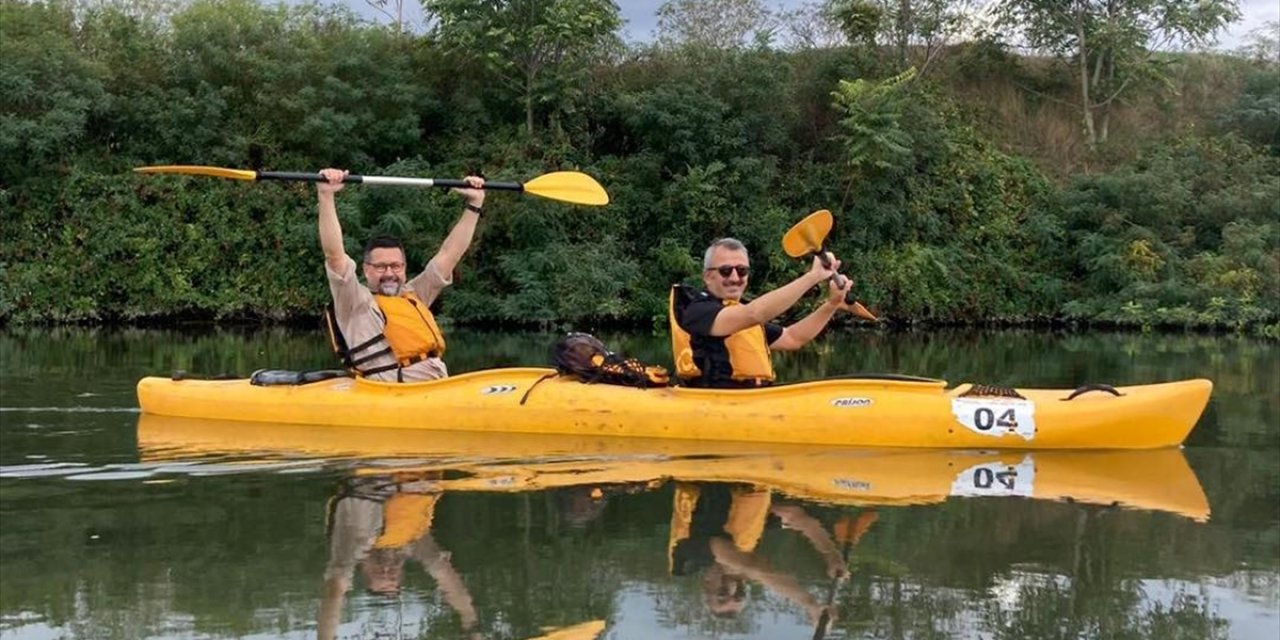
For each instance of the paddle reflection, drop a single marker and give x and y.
(728, 503)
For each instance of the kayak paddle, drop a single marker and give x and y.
(565, 186)
(808, 238)
(848, 532)
(584, 631)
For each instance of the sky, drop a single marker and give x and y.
(641, 18)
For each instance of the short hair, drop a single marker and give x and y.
(732, 244)
(382, 242)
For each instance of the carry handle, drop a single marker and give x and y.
(1095, 386)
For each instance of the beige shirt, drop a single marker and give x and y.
(360, 319)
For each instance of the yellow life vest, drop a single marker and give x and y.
(749, 357)
(405, 518)
(410, 335)
(744, 524)
(681, 349)
(411, 328)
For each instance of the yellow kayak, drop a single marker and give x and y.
(1155, 479)
(892, 411)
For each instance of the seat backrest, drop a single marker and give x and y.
(681, 348)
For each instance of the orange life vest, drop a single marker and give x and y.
(410, 335)
(749, 356)
(405, 518)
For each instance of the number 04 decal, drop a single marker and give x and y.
(996, 416)
(996, 479)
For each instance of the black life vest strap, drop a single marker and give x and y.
(351, 358)
(408, 361)
(363, 359)
(376, 370)
(367, 344)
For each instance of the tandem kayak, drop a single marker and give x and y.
(1158, 479)
(876, 411)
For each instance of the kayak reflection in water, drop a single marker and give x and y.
(379, 523)
(715, 529)
(579, 506)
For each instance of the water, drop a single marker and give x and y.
(116, 527)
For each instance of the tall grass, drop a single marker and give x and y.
(1031, 106)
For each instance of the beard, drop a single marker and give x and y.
(389, 286)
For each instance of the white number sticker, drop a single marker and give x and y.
(996, 479)
(996, 416)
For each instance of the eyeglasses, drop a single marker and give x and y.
(385, 266)
(726, 270)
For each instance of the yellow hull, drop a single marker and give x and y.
(873, 413)
(1156, 479)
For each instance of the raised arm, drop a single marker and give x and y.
(797, 335)
(335, 253)
(459, 238)
(795, 518)
(749, 566)
(735, 318)
(436, 562)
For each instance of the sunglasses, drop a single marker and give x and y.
(726, 270)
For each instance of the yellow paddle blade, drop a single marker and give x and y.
(862, 312)
(806, 236)
(844, 529)
(584, 631)
(568, 186)
(196, 170)
(861, 524)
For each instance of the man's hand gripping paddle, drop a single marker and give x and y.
(808, 239)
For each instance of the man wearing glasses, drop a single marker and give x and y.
(385, 330)
(720, 342)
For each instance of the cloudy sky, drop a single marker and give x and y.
(641, 19)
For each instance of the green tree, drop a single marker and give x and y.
(1256, 113)
(48, 89)
(1112, 44)
(715, 24)
(1185, 235)
(1263, 44)
(394, 10)
(810, 26)
(919, 31)
(539, 48)
(858, 20)
(295, 82)
(940, 225)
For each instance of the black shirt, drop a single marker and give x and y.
(708, 520)
(709, 352)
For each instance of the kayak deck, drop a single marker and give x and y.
(880, 412)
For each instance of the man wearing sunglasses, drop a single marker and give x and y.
(384, 330)
(721, 342)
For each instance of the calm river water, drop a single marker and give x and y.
(114, 525)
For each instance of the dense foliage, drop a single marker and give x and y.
(938, 218)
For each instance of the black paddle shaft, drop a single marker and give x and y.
(297, 176)
(849, 297)
(462, 184)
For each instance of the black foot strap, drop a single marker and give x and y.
(1093, 386)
